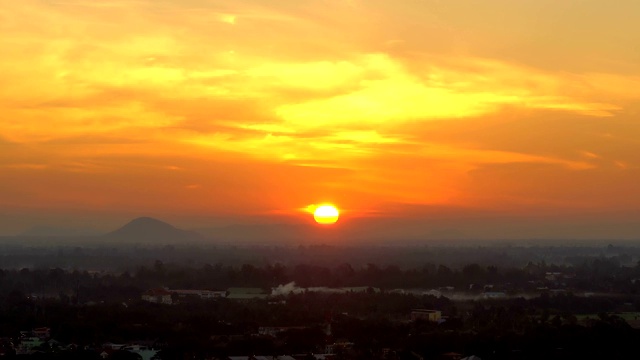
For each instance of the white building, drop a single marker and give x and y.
(158, 296)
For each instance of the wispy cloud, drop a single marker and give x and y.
(105, 86)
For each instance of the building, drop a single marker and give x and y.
(427, 315)
(158, 296)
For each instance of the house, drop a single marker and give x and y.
(424, 314)
(158, 296)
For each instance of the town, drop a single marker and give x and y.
(310, 311)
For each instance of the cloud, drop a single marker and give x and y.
(140, 79)
(590, 155)
(5, 142)
(107, 87)
(228, 18)
(542, 185)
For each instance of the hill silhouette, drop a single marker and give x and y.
(148, 230)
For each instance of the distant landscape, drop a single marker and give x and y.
(319, 179)
(151, 290)
(155, 232)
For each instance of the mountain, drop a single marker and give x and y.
(152, 231)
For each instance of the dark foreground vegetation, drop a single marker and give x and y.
(581, 307)
(372, 324)
(517, 328)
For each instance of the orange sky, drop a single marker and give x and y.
(250, 110)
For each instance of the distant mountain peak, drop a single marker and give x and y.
(145, 221)
(145, 218)
(149, 230)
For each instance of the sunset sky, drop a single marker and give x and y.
(524, 115)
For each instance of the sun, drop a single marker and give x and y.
(326, 214)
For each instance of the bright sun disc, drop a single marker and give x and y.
(326, 214)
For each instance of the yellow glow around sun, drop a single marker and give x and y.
(326, 214)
